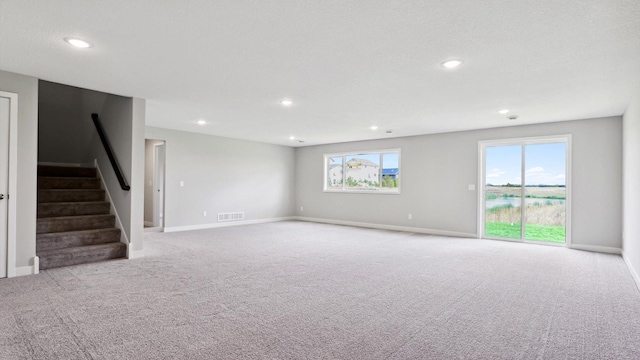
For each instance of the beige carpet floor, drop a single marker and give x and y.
(296, 290)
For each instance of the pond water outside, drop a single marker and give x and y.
(515, 201)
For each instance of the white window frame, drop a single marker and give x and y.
(482, 146)
(344, 155)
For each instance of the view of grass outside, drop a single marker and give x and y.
(545, 213)
(544, 192)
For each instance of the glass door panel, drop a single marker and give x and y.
(503, 192)
(545, 192)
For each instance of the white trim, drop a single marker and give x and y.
(225, 224)
(596, 248)
(24, 270)
(153, 229)
(634, 273)
(156, 206)
(29, 270)
(481, 189)
(482, 146)
(13, 183)
(134, 254)
(123, 234)
(388, 227)
(148, 223)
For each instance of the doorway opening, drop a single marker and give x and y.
(526, 190)
(154, 178)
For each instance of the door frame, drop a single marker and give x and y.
(482, 146)
(156, 205)
(13, 182)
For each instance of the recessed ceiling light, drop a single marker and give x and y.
(452, 64)
(77, 43)
(292, 137)
(201, 122)
(374, 127)
(503, 111)
(286, 102)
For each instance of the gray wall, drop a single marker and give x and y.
(27, 89)
(148, 179)
(631, 146)
(65, 129)
(437, 169)
(224, 175)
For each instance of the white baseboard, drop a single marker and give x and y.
(632, 270)
(112, 207)
(134, 254)
(389, 227)
(225, 224)
(153, 229)
(29, 270)
(148, 223)
(595, 248)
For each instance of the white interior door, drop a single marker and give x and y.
(5, 114)
(158, 181)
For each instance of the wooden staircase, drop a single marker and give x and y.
(74, 223)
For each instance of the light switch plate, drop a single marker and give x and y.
(472, 187)
(181, 183)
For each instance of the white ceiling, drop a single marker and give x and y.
(347, 65)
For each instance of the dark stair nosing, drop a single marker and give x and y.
(50, 259)
(64, 182)
(74, 223)
(70, 195)
(67, 171)
(60, 240)
(73, 208)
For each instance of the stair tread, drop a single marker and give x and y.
(77, 249)
(75, 217)
(67, 171)
(66, 177)
(90, 231)
(70, 190)
(75, 202)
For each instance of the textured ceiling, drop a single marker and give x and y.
(347, 65)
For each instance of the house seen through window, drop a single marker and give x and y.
(377, 171)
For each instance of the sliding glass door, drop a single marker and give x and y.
(525, 189)
(503, 192)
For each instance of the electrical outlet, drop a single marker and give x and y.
(301, 208)
(204, 214)
(410, 217)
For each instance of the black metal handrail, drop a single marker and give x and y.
(112, 157)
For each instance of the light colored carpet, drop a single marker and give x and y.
(296, 290)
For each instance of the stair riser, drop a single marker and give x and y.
(60, 171)
(46, 196)
(71, 183)
(58, 260)
(70, 209)
(45, 242)
(74, 224)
